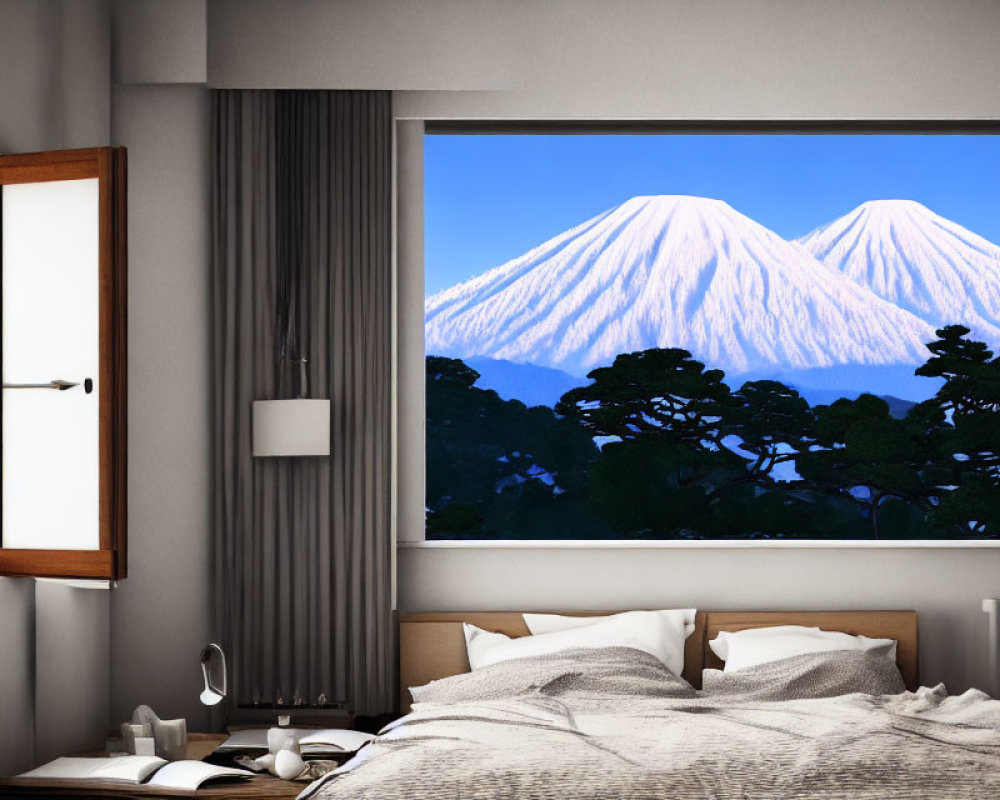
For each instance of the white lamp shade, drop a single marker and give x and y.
(291, 428)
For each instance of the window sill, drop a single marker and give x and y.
(79, 583)
(665, 544)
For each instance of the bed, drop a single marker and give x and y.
(616, 723)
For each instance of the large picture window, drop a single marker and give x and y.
(712, 336)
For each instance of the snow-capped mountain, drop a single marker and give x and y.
(671, 271)
(917, 260)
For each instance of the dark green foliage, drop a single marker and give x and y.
(971, 509)
(456, 521)
(651, 489)
(971, 373)
(658, 394)
(685, 457)
(497, 469)
(968, 449)
(773, 422)
(869, 455)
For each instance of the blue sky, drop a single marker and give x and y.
(491, 198)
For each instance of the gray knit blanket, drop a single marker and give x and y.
(615, 723)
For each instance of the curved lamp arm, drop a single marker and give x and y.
(212, 694)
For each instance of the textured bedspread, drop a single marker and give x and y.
(614, 723)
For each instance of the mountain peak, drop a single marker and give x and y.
(664, 206)
(918, 260)
(890, 206)
(896, 212)
(674, 201)
(670, 271)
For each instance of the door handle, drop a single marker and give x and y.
(57, 384)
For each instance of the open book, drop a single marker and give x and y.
(334, 740)
(131, 769)
(135, 769)
(311, 742)
(192, 774)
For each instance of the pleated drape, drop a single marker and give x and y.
(302, 269)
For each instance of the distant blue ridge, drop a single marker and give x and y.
(896, 384)
(532, 385)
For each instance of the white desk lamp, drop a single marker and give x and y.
(212, 694)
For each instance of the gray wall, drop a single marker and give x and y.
(17, 674)
(72, 675)
(23, 79)
(55, 65)
(161, 615)
(671, 59)
(159, 41)
(361, 44)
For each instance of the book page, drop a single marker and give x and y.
(248, 739)
(311, 741)
(133, 769)
(340, 738)
(192, 774)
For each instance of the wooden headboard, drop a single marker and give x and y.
(432, 645)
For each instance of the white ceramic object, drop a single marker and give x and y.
(288, 765)
(145, 746)
(171, 738)
(266, 762)
(130, 732)
(279, 739)
(170, 735)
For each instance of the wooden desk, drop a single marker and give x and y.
(199, 746)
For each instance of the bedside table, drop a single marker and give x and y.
(199, 746)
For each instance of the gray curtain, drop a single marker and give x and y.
(301, 259)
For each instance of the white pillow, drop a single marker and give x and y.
(674, 626)
(676, 619)
(661, 634)
(756, 646)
